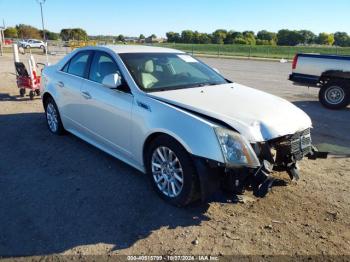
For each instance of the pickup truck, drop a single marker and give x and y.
(330, 73)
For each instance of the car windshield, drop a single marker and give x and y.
(167, 71)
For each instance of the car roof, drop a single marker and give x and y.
(119, 49)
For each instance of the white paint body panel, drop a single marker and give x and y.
(120, 123)
(315, 66)
(256, 115)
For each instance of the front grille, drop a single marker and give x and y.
(297, 145)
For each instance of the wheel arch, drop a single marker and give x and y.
(336, 75)
(45, 98)
(152, 136)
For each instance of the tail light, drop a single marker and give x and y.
(295, 62)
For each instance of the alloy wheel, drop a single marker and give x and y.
(167, 171)
(52, 117)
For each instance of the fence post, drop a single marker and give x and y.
(250, 51)
(218, 50)
(192, 49)
(268, 52)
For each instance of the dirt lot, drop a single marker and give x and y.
(61, 195)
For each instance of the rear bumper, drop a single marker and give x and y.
(302, 79)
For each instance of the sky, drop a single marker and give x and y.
(135, 17)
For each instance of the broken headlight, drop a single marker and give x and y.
(236, 150)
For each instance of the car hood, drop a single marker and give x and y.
(257, 115)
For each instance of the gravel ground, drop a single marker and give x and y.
(59, 195)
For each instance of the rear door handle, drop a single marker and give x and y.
(86, 94)
(60, 84)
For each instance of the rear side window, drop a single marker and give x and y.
(78, 64)
(101, 66)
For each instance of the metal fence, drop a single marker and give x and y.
(286, 52)
(234, 50)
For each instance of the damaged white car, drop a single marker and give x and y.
(171, 116)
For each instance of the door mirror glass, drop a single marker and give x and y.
(112, 80)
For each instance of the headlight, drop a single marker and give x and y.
(236, 149)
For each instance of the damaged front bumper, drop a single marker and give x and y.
(281, 154)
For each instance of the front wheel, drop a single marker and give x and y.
(53, 118)
(22, 92)
(172, 172)
(334, 95)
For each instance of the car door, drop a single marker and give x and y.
(68, 84)
(106, 112)
(36, 44)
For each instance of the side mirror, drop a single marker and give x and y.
(112, 80)
(216, 70)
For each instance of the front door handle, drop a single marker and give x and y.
(86, 94)
(60, 84)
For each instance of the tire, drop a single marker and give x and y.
(334, 95)
(42, 47)
(37, 92)
(27, 47)
(22, 92)
(53, 118)
(31, 94)
(175, 192)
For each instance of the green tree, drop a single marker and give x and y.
(231, 36)
(240, 41)
(49, 35)
(286, 37)
(27, 31)
(173, 37)
(307, 37)
(249, 37)
(52, 36)
(79, 34)
(325, 39)
(266, 35)
(341, 39)
(121, 38)
(204, 38)
(142, 36)
(11, 32)
(187, 36)
(73, 34)
(219, 36)
(65, 34)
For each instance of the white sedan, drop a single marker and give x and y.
(173, 117)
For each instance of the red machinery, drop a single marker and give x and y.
(25, 81)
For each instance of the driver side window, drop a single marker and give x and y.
(101, 66)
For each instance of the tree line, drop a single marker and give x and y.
(283, 37)
(26, 31)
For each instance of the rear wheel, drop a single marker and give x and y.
(172, 172)
(53, 118)
(334, 95)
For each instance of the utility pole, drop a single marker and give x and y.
(41, 2)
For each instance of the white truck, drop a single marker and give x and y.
(331, 73)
